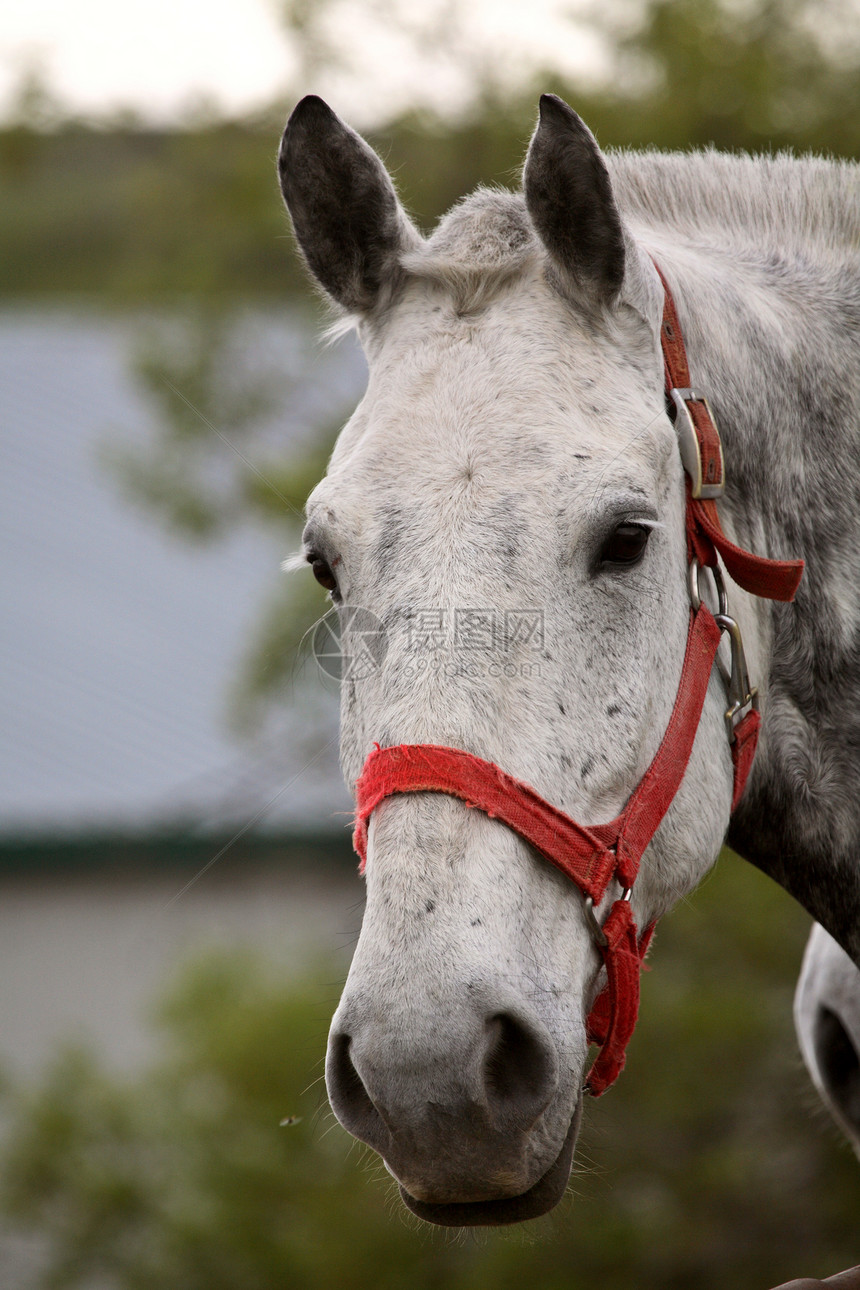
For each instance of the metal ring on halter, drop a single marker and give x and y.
(694, 573)
(597, 933)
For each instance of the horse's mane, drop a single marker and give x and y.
(766, 206)
(794, 204)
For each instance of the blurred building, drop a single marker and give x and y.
(119, 642)
(134, 829)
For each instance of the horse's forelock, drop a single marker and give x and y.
(475, 250)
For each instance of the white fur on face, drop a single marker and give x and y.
(514, 416)
(493, 455)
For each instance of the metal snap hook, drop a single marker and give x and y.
(742, 695)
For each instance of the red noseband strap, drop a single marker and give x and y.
(593, 856)
(590, 857)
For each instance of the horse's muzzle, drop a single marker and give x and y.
(468, 1118)
(538, 1200)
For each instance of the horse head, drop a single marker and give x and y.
(506, 508)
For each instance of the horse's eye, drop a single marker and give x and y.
(322, 572)
(626, 545)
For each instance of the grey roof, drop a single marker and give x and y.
(117, 642)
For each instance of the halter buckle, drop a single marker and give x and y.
(701, 455)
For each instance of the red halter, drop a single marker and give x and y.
(592, 857)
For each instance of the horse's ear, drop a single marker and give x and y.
(569, 198)
(349, 224)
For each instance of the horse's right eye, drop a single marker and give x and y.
(626, 545)
(322, 571)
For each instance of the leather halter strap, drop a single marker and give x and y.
(702, 454)
(590, 856)
(593, 856)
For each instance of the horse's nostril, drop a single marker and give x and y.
(520, 1070)
(349, 1098)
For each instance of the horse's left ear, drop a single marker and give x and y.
(569, 198)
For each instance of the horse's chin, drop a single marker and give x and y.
(538, 1200)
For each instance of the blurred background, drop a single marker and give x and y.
(178, 900)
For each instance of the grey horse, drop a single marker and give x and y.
(514, 452)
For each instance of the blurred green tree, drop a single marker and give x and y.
(760, 76)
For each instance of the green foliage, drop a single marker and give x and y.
(135, 215)
(280, 647)
(132, 217)
(702, 1169)
(759, 76)
(209, 397)
(215, 460)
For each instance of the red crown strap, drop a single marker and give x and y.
(701, 448)
(676, 366)
(772, 579)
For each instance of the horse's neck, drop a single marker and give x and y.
(776, 342)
